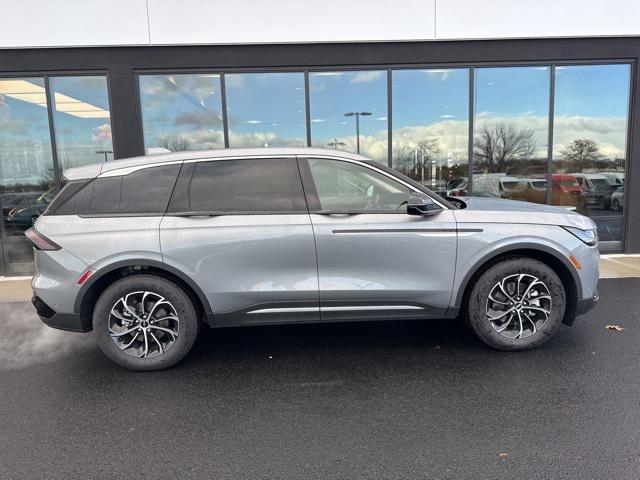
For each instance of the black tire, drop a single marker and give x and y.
(180, 343)
(478, 303)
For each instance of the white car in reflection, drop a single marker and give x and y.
(617, 199)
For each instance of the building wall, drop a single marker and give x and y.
(46, 23)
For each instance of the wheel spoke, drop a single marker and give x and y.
(531, 285)
(142, 302)
(115, 334)
(533, 324)
(520, 322)
(145, 352)
(157, 341)
(155, 305)
(131, 342)
(493, 319)
(504, 326)
(120, 317)
(163, 318)
(126, 305)
(505, 293)
(493, 299)
(166, 330)
(518, 284)
(537, 309)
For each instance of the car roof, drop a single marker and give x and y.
(93, 170)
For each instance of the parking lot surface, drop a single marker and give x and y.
(419, 400)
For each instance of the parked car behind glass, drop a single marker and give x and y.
(617, 199)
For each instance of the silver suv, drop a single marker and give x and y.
(146, 250)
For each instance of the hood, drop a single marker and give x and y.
(495, 210)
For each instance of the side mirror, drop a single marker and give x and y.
(421, 204)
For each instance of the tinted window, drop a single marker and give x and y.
(145, 192)
(235, 186)
(349, 187)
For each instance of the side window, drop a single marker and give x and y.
(144, 192)
(352, 188)
(267, 185)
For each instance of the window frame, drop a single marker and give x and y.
(188, 169)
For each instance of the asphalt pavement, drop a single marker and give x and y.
(409, 400)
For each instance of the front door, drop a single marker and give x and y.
(241, 230)
(374, 259)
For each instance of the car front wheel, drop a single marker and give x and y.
(145, 322)
(516, 304)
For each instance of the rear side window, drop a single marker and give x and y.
(144, 192)
(68, 190)
(268, 185)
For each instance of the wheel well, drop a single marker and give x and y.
(571, 290)
(96, 288)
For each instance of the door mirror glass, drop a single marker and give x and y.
(422, 204)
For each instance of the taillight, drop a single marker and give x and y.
(39, 241)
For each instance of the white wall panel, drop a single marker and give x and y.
(468, 19)
(61, 23)
(272, 21)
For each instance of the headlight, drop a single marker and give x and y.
(590, 237)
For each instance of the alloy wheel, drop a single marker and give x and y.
(518, 306)
(143, 324)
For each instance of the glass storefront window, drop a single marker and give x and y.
(511, 128)
(266, 109)
(26, 165)
(431, 127)
(590, 142)
(181, 112)
(349, 112)
(81, 120)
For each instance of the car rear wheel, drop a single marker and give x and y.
(145, 322)
(517, 304)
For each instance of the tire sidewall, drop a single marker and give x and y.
(188, 326)
(476, 312)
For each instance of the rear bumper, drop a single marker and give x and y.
(62, 321)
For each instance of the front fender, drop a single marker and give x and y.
(494, 240)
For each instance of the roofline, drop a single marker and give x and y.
(96, 169)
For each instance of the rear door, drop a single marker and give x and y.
(240, 228)
(374, 259)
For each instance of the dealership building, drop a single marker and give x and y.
(532, 101)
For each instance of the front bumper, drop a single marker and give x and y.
(62, 321)
(583, 305)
